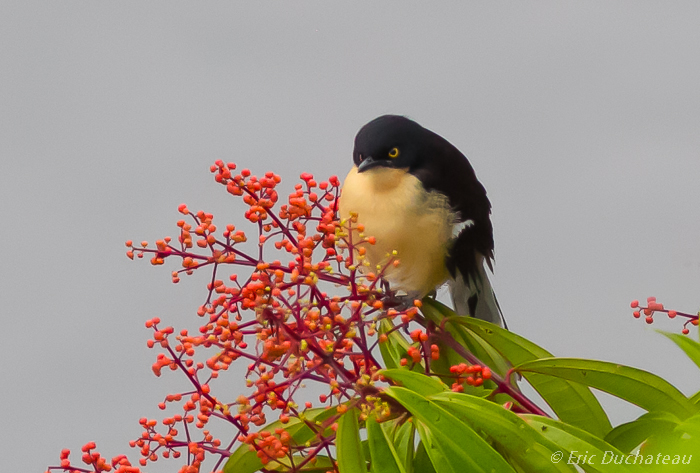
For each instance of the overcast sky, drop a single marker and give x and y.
(582, 120)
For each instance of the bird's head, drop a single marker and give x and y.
(389, 141)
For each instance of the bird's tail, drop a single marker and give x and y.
(474, 296)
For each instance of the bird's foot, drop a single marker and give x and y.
(398, 301)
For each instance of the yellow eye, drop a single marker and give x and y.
(394, 153)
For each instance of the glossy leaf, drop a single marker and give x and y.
(695, 398)
(572, 402)
(403, 435)
(417, 382)
(639, 387)
(319, 464)
(676, 451)
(384, 455)
(579, 447)
(365, 450)
(513, 437)
(351, 458)
(421, 462)
(691, 427)
(451, 444)
(437, 312)
(630, 435)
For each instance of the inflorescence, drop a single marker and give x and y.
(298, 306)
(653, 306)
(295, 302)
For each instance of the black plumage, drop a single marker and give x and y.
(393, 141)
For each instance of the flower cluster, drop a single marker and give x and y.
(420, 350)
(653, 306)
(294, 302)
(473, 375)
(97, 463)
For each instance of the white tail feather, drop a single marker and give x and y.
(477, 289)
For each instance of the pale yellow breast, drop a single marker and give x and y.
(396, 209)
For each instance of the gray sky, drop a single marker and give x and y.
(582, 119)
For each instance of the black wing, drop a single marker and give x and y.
(445, 169)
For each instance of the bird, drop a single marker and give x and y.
(419, 197)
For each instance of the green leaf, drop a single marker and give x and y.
(243, 460)
(630, 435)
(691, 427)
(319, 464)
(395, 347)
(403, 435)
(521, 445)
(351, 458)
(571, 402)
(365, 450)
(481, 349)
(437, 312)
(676, 451)
(384, 456)
(417, 382)
(639, 387)
(421, 462)
(578, 446)
(695, 398)
(688, 345)
(451, 444)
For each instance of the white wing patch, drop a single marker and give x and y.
(457, 229)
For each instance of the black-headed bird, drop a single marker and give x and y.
(419, 197)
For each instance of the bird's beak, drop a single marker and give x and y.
(367, 163)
